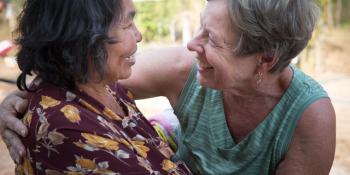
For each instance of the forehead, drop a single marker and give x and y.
(128, 5)
(215, 19)
(216, 13)
(128, 10)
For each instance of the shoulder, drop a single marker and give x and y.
(307, 84)
(46, 97)
(313, 145)
(317, 123)
(56, 106)
(304, 93)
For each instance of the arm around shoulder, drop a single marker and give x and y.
(160, 72)
(313, 145)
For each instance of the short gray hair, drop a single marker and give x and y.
(280, 28)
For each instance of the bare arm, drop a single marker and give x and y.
(161, 72)
(313, 146)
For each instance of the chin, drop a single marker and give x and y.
(208, 83)
(125, 76)
(203, 81)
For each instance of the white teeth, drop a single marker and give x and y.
(131, 58)
(202, 65)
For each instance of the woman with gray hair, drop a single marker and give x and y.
(242, 108)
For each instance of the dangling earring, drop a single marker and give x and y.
(259, 78)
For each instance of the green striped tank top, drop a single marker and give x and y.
(206, 144)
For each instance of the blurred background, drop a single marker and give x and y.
(174, 22)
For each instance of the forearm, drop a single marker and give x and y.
(161, 72)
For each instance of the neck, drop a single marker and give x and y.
(99, 92)
(273, 85)
(96, 90)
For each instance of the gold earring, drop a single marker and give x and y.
(259, 78)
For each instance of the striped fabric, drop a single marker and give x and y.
(207, 146)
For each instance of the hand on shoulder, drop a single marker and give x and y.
(15, 104)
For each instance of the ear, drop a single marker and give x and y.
(266, 62)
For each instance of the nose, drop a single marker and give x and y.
(138, 35)
(195, 45)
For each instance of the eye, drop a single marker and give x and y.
(211, 40)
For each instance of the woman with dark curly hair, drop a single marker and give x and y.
(80, 120)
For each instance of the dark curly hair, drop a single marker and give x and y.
(59, 39)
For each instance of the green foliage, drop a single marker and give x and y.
(156, 17)
(345, 13)
(151, 18)
(17, 4)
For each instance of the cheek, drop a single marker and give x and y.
(217, 60)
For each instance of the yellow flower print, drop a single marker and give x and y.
(100, 142)
(87, 166)
(130, 95)
(27, 119)
(52, 172)
(89, 107)
(86, 163)
(85, 146)
(110, 114)
(71, 113)
(168, 165)
(140, 148)
(56, 138)
(123, 141)
(73, 173)
(25, 168)
(47, 102)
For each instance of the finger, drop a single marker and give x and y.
(21, 106)
(15, 157)
(11, 102)
(22, 94)
(12, 140)
(13, 154)
(9, 121)
(14, 144)
(14, 124)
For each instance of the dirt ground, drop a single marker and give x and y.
(334, 76)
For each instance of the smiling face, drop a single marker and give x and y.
(218, 66)
(120, 54)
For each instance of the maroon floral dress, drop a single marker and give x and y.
(72, 133)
